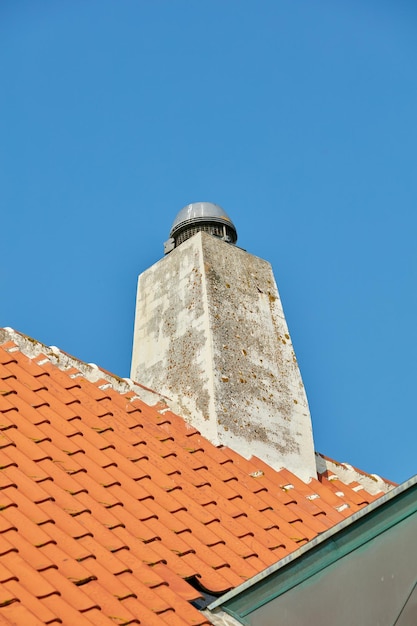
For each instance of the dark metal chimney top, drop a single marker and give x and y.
(200, 216)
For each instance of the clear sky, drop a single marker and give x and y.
(299, 117)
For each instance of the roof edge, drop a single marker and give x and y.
(32, 348)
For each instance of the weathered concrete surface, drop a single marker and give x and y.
(210, 333)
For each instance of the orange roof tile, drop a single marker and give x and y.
(111, 508)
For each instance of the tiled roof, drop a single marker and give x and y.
(116, 512)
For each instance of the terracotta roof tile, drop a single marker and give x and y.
(109, 507)
(36, 603)
(67, 614)
(14, 612)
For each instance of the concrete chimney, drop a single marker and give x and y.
(210, 333)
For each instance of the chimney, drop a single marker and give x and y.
(210, 334)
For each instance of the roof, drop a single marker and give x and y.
(363, 554)
(114, 511)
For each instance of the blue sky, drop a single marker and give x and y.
(298, 117)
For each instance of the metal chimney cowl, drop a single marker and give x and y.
(200, 216)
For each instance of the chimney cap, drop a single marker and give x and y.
(198, 212)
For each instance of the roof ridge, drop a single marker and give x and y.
(347, 474)
(64, 361)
